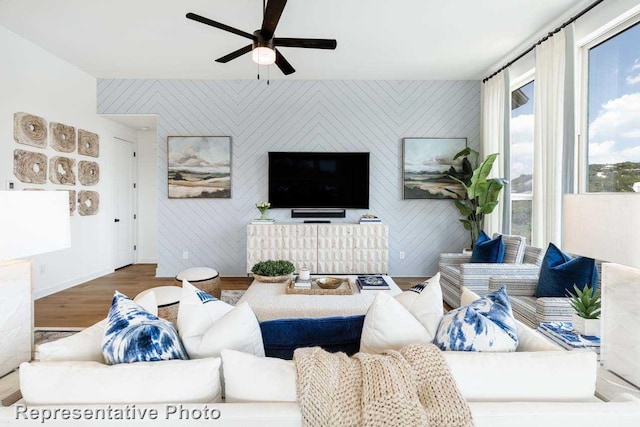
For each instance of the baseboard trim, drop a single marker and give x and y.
(147, 261)
(71, 283)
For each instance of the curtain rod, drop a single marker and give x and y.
(545, 38)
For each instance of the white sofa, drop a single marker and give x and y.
(556, 387)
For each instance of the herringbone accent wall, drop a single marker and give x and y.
(328, 115)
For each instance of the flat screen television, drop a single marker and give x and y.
(319, 180)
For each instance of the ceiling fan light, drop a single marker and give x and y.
(263, 55)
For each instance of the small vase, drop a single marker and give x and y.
(263, 214)
(588, 327)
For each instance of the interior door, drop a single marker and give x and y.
(124, 240)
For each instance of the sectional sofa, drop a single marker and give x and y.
(538, 385)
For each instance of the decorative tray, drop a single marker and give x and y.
(346, 288)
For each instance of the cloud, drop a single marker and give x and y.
(631, 78)
(606, 153)
(187, 157)
(522, 129)
(619, 117)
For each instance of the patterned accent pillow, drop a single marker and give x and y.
(487, 324)
(135, 335)
(513, 248)
(487, 250)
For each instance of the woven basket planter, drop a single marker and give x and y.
(272, 279)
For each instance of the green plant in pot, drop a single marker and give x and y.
(273, 271)
(480, 192)
(587, 305)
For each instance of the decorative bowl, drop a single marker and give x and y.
(329, 282)
(272, 279)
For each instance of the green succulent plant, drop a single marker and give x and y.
(273, 268)
(586, 302)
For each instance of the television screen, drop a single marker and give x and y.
(319, 180)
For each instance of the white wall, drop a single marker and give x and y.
(37, 82)
(147, 155)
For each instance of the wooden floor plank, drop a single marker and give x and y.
(88, 303)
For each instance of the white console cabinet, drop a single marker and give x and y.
(323, 248)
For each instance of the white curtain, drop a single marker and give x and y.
(548, 133)
(495, 102)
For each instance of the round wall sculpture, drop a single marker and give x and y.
(88, 172)
(88, 202)
(63, 137)
(61, 170)
(88, 143)
(30, 130)
(30, 167)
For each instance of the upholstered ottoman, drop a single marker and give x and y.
(168, 300)
(203, 278)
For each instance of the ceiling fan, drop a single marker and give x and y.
(263, 43)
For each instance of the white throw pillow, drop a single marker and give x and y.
(207, 325)
(249, 378)
(411, 317)
(83, 383)
(87, 344)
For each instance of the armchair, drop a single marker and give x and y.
(457, 271)
(526, 307)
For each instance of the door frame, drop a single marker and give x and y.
(134, 203)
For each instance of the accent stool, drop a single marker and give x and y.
(204, 278)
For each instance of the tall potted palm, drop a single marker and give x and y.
(481, 193)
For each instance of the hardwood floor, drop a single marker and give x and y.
(88, 303)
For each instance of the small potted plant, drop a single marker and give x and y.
(586, 303)
(263, 207)
(271, 271)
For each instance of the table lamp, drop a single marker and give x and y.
(605, 226)
(31, 222)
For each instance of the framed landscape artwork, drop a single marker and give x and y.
(426, 166)
(199, 167)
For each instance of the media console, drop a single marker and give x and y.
(323, 248)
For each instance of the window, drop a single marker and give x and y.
(613, 113)
(521, 161)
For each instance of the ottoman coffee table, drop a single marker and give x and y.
(269, 301)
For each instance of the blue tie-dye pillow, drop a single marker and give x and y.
(135, 335)
(487, 324)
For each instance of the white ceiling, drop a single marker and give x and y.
(377, 39)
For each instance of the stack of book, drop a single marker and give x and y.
(263, 221)
(562, 333)
(369, 219)
(302, 284)
(372, 283)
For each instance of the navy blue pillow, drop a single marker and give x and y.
(559, 272)
(488, 250)
(281, 337)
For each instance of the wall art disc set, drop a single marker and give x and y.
(32, 167)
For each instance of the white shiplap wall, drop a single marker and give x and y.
(326, 115)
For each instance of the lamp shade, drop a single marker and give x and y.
(603, 226)
(33, 222)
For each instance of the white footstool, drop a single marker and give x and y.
(168, 299)
(203, 278)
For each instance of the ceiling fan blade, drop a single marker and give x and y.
(305, 43)
(271, 17)
(283, 64)
(235, 54)
(219, 25)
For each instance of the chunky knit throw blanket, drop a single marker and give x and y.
(410, 387)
